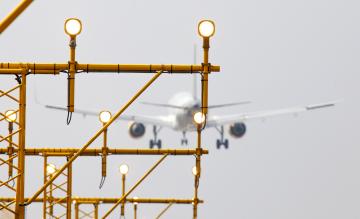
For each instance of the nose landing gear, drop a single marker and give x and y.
(184, 140)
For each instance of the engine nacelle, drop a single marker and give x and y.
(237, 130)
(136, 130)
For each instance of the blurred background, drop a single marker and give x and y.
(274, 53)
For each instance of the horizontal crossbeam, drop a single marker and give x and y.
(98, 200)
(110, 151)
(42, 68)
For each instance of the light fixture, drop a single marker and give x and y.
(10, 116)
(194, 171)
(199, 118)
(104, 116)
(50, 169)
(73, 27)
(124, 169)
(135, 198)
(206, 28)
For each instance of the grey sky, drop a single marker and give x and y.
(275, 53)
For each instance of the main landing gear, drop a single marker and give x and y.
(184, 140)
(222, 140)
(155, 142)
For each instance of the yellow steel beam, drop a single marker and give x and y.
(14, 14)
(55, 68)
(20, 183)
(164, 210)
(98, 152)
(10, 71)
(94, 137)
(101, 200)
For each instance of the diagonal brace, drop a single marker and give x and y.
(134, 187)
(76, 155)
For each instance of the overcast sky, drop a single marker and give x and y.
(277, 53)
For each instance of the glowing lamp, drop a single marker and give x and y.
(124, 169)
(10, 116)
(73, 27)
(206, 28)
(104, 116)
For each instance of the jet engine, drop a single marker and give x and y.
(237, 130)
(136, 130)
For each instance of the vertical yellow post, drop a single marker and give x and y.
(20, 190)
(45, 192)
(104, 157)
(76, 210)
(10, 149)
(96, 211)
(205, 76)
(51, 198)
(71, 76)
(135, 211)
(123, 193)
(69, 191)
(198, 171)
(72, 28)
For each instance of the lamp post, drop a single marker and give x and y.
(11, 117)
(199, 119)
(104, 117)
(135, 207)
(72, 28)
(206, 29)
(124, 169)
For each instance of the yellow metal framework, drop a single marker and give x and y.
(16, 151)
(62, 185)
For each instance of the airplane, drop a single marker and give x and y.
(183, 106)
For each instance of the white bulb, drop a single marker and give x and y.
(206, 28)
(10, 116)
(73, 26)
(104, 116)
(124, 169)
(199, 118)
(135, 198)
(50, 169)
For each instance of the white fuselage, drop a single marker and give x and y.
(183, 116)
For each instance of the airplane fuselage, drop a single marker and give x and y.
(183, 116)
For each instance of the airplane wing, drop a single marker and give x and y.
(163, 121)
(214, 121)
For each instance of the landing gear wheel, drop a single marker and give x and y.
(226, 143)
(218, 144)
(154, 143)
(184, 142)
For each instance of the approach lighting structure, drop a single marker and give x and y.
(10, 116)
(73, 27)
(206, 28)
(104, 116)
